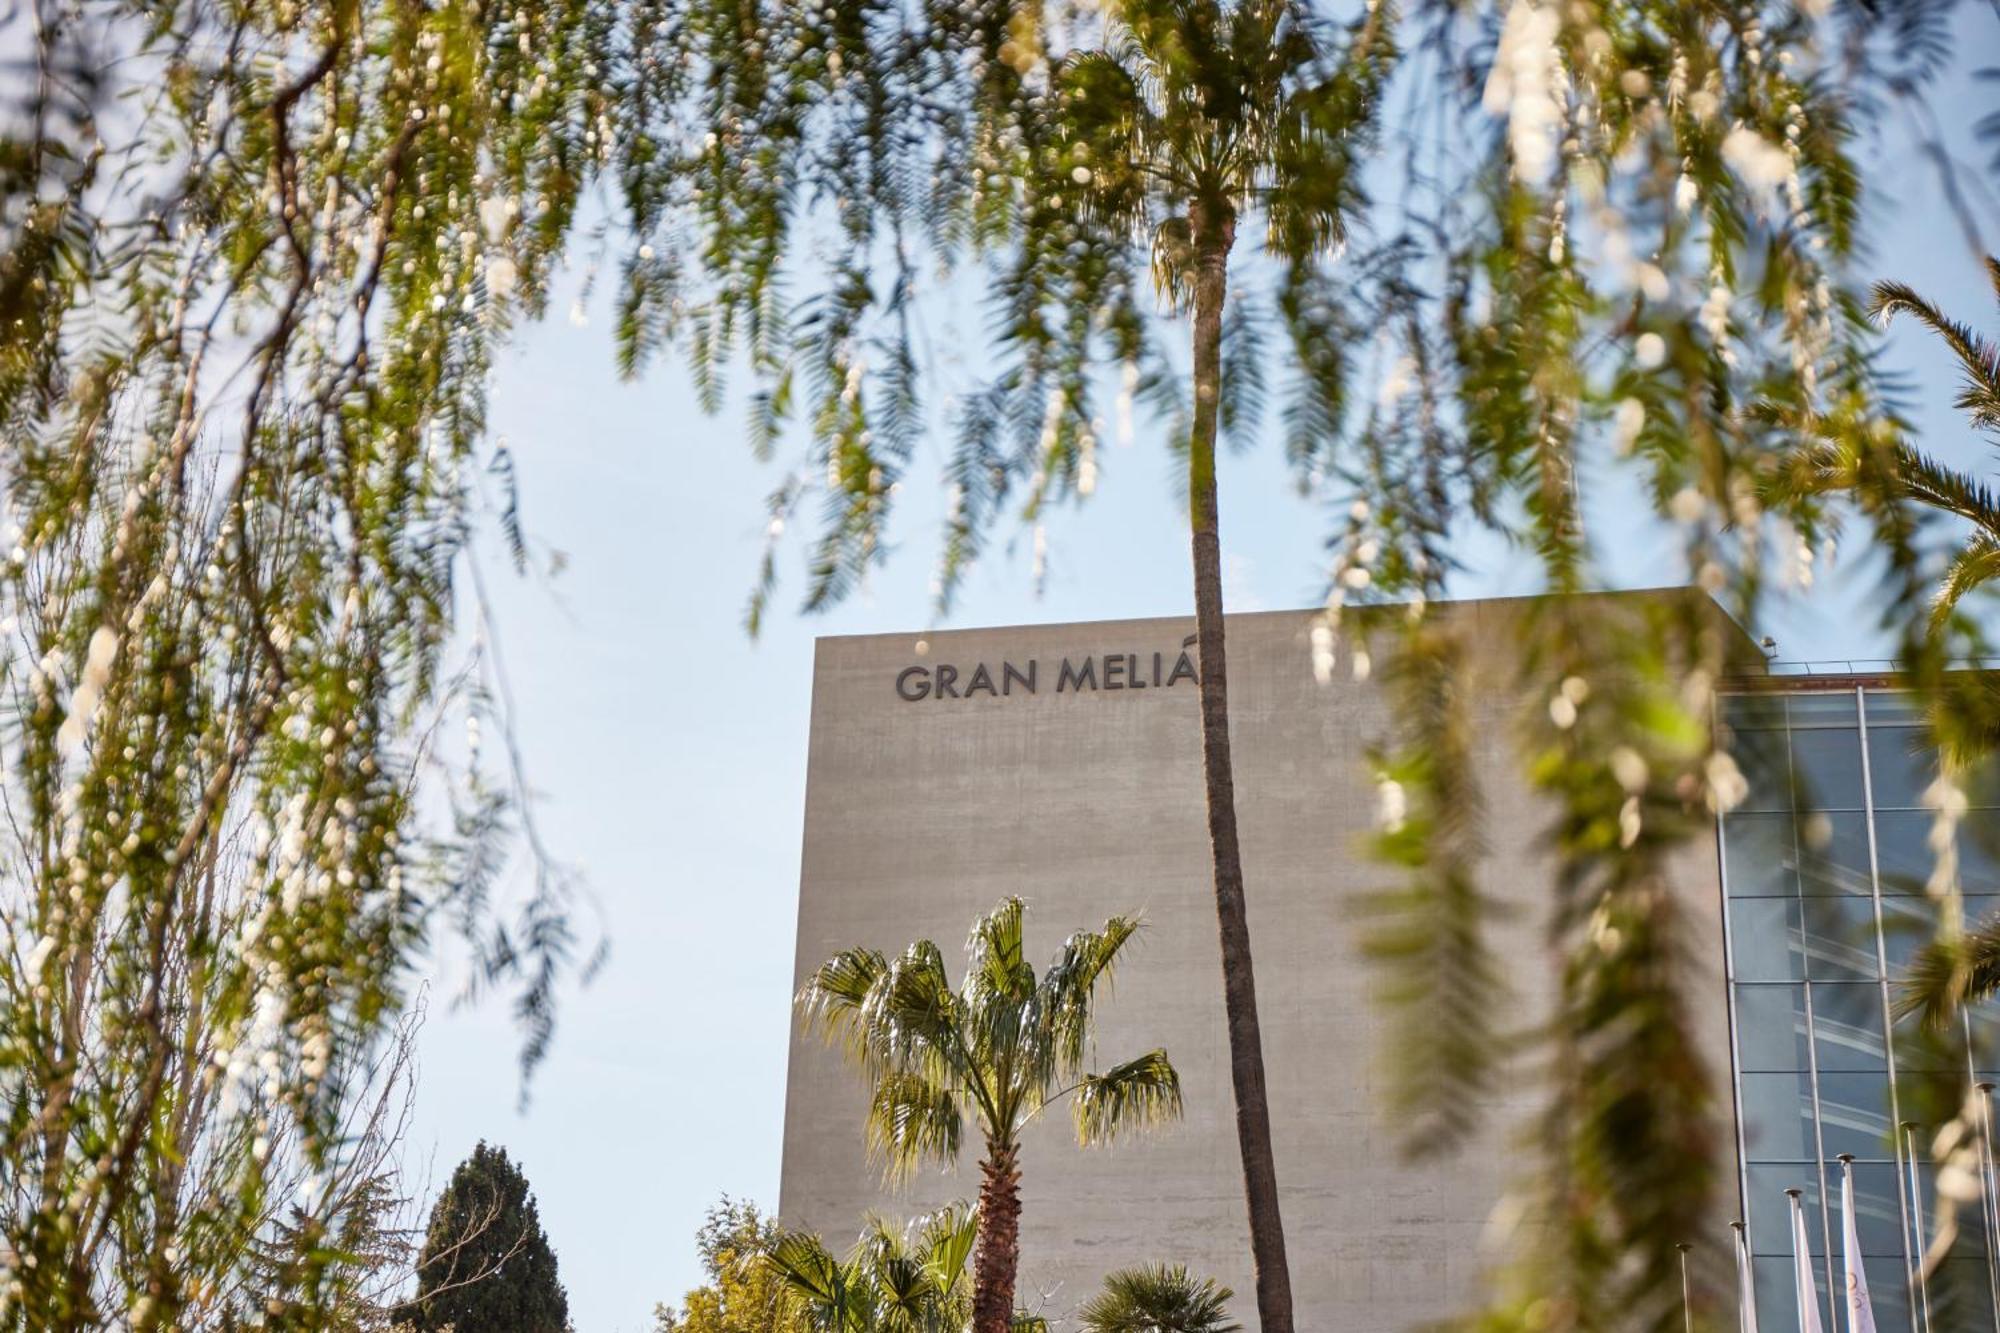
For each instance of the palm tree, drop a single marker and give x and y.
(1956, 970)
(1159, 1299)
(1000, 1049)
(1196, 115)
(1930, 483)
(913, 1281)
(1905, 473)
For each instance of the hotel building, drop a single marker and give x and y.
(1062, 763)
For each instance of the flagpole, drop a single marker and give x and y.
(1746, 1281)
(1989, 1206)
(1804, 1289)
(1687, 1292)
(1917, 1221)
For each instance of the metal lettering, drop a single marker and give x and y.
(1074, 679)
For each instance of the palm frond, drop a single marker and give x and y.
(999, 963)
(1978, 359)
(912, 1015)
(811, 1277)
(912, 1120)
(1159, 1298)
(1932, 483)
(1971, 569)
(1245, 386)
(832, 1002)
(947, 1237)
(1174, 263)
(1137, 1094)
(904, 1296)
(994, 1051)
(1950, 973)
(1069, 985)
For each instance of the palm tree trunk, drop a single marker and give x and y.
(998, 1251)
(1213, 228)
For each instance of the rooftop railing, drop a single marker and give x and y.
(1866, 666)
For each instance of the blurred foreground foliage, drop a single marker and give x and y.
(254, 262)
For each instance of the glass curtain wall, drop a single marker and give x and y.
(1824, 871)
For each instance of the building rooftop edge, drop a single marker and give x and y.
(1460, 603)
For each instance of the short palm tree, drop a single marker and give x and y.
(999, 1049)
(1195, 115)
(908, 1281)
(1158, 1298)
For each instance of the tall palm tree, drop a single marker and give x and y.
(1195, 116)
(1158, 1298)
(999, 1049)
(1905, 473)
(1929, 482)
(1957, 969)
(912, 1281)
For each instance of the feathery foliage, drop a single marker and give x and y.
(1611, 252)
(254, 261)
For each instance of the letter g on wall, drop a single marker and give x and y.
(913, 683)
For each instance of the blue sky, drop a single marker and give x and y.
(670, 750)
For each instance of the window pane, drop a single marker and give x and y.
(1962, 1294)
(1847, 1025)
(1840, 938)
(1854, 1115)
(1979, 851)
(1767, 769)
(1771, 1027)
(1766, 939)
(1878, 1213)
(1982, 786)
(1908, 923)
(1903, 846)
(1970, 1221)
(1893, 708)
(1777, 1119)
(1985, 1025)
(1747, 711)
(1776, 1309)
(1902, 849)
(1770, 1222)
(1826, 770)
(1919, 1049)
(1805, 711)
(1901, 765)
(1761, 854)
(1833, 855)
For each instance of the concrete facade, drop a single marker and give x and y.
(921, 814)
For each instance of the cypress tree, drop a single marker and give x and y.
(486, 1262)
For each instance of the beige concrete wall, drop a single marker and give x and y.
(919, 816)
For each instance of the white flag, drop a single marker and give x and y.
(1860, 1314)
(1746, 1295)
(1807, 1293)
